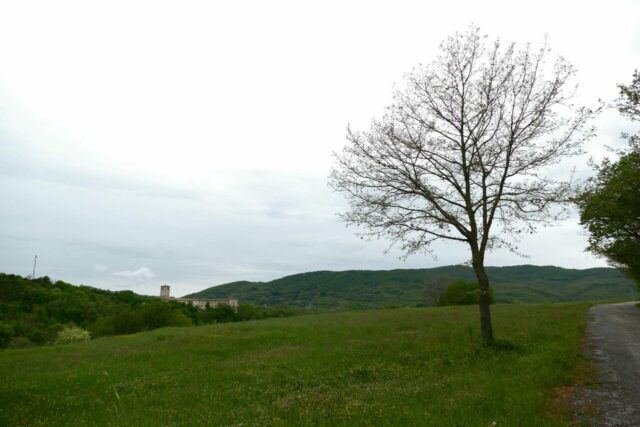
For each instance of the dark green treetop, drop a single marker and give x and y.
(610, 204)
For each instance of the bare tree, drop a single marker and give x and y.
(460, 154)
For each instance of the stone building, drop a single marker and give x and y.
(165, 295)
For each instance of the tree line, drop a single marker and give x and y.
(35, 311)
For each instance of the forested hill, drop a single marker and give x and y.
(373, 289)
(36, 311)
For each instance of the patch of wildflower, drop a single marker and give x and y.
(72, 334)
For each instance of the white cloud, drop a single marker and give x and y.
(140, 275)
(99, 267)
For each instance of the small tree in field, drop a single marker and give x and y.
(459, 155)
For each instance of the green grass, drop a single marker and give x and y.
(381, 367)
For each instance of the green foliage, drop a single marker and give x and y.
(72, 334)
(610, 205)
(250, 312)
(628, 103)
(362, 289)
(37, 311)
(462, 293)
(20, 342)
(367, 368)
(6, 332)
(610, 210)
(160, 314)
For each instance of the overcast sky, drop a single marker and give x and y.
(189, 143)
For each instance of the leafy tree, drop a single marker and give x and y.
(462, 293)
(610, 204)
(224, 313)
(628, 102)
(156, 315)
(458, 155)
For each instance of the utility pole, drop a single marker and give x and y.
(33, 275)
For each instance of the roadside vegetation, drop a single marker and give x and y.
(610, 202)
(413, 366)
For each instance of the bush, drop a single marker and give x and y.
(462, 293)
(223, 314)
(128, 322)
(143, 317)
(52, 332)
(20, 342)
(72, 334)
(37, 337)
(249, 312)
(6, 332)
(104, 326)
(279, 312)
(180, 319)
(159, 314)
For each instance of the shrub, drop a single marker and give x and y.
(279, 311)
(52, 332)
(156, 315)
(72, 334)
(224, 314)
(143, 317)
(128, 322)
(6, 332)
(462, 293)
(249, 312)
(37, 336)
(20, 342)
(104, 326)
(180, 319)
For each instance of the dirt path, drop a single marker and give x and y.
(613, 341)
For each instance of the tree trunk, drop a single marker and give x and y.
(485, 301)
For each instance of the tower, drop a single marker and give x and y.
(164, 292)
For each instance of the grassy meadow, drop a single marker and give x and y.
(413, 366)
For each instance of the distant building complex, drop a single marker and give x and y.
(165, 295)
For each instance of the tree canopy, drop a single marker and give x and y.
(610, 204)
(610, 210)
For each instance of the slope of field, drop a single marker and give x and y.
(413, 366)
(377, 289)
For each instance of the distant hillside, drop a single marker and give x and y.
(375, 289)
(33, 312)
